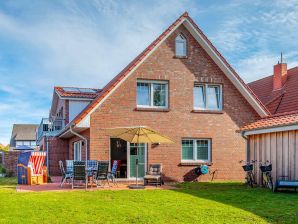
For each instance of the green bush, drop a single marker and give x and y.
(2, 169)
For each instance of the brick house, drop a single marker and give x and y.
(180, 86)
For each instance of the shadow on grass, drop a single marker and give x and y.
(281, 207)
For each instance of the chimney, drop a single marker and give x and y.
(279, 75)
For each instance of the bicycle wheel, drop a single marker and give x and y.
(250, 180)
(269, 182)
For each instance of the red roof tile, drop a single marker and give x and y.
(279, 101)
(277, 120)
(77, 92)
(135, 62)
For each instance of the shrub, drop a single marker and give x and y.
(2, 169)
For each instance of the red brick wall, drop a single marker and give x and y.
(11, 161)
(58, 150)
(228, 147)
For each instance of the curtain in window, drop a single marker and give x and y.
(159, 95)
(187, 150)
(213, 97)
(143, 94)
(199, 97)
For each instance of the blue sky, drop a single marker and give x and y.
(85, 43)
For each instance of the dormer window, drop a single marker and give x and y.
(180, 46)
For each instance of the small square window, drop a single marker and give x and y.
(207, 97)
(196, 150)
(152, 94)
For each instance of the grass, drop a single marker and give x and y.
(190, 203)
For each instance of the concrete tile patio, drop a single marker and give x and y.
(55, 186)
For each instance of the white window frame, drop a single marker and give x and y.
(77, 145)
(205, 87)
(151, 82)
(184, 42)
(195, 150)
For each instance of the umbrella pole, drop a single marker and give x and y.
(137, 165)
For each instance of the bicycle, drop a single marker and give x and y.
(248, 168)
(266, 169)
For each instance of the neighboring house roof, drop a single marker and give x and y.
(77, 92)
(278, 101)
(23, 132)
(207, 45)
(273, 122)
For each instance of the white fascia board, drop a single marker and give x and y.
(271, 130)
(246, 94)
(86, 120)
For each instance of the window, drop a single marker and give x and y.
(207, 97)
(77, 151)
(152, 94)
(18, 143)
(196, 150)
(26, 143)
(180, 46)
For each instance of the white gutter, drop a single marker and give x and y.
(270, 130)
(86, 151)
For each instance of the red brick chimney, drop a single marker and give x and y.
(279, 75)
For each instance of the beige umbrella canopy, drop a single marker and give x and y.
(140, 134)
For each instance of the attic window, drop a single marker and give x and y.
(180, 46)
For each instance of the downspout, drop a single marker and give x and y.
(247, 143)
(86, 149)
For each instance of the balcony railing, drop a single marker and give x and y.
(49, 127)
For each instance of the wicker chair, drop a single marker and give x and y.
(154, 175)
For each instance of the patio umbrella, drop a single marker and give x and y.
(138, 134)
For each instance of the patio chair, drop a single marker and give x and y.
(101, 173)
(112, 174)
(79, 173)
(65, 175)
(92, 166)
(69, 166)
(154, 175)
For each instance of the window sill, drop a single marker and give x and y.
(152, 109)
(195, 163)
(180, 57)
(208, 111)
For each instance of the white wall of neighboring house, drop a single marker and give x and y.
(75, 107)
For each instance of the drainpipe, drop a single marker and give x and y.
(86, 149)
(47, 145)
(246, 141)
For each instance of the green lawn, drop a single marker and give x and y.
(191, 203)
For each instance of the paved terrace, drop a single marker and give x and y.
(55, 186)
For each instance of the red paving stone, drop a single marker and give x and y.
(55, 186)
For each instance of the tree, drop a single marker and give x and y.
(3, 147)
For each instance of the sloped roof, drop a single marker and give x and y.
(280, 101)
(127, 70)
(77, 92)
(22, 132)
(278, 120)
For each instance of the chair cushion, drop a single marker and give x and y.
(154, 177)
(154, 170)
